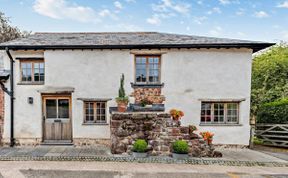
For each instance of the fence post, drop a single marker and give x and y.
(252, 131)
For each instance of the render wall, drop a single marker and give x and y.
(188, 77)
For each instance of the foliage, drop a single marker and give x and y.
(192, 128)
(269, 77)
(145, 102)
(180, 147)
(176, 114)
(121, 92)
(140, 146)
(257, 141)
(274, 112)
(8, 32)
(207, 135)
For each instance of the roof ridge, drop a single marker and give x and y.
(143, 32)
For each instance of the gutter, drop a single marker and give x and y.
(11, 94)
(255, 46)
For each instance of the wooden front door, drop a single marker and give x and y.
(57, 119)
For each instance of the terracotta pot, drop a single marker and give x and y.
(122, 106)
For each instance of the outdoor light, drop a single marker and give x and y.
(30, 100)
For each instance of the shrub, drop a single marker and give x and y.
(274, 112)
(140, 146)
(180, 147)
(121, 92)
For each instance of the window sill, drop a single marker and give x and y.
(104, 124)
(147, 85)
(222, 124)
(30, 83)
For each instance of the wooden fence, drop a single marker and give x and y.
(273, 134)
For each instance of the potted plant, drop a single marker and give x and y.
(207, 136)
(140, 148)
(176, 114)
(180, 149)
(192, 129)
(122, 100)
(146, 103)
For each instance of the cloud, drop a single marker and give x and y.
(169, 5)
(283, 5)
(62, 9)
(130, 1)
(166, 9)
(224, 2)
(285, 34)
(240, 12)
(154, 20)
(217, 31)
(107, 13)
(261, 14)
(199, 20)
(118, 5)
(215, 10)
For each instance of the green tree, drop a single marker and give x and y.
(9, 32)
(269, 77)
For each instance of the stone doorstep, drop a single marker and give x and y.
(151, 159)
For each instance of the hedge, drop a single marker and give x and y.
(274, 112)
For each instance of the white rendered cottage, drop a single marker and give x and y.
(63, 84)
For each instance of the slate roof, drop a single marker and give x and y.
(126, 40)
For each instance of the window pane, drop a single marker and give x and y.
(63, 108)
(219, 112)
(89, 112)
(51, 108)
(206, 112)
(232, 112)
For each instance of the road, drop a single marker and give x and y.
(71, 169)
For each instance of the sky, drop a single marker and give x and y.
(262, 20)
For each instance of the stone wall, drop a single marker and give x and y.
(158, 129)
(151, 94)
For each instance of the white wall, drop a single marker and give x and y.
(189, 75)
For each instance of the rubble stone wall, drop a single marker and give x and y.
(151, 94)
(158, 129)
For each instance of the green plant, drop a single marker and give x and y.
(269, 77)
(145, 102)
(121, 92)
(257, 141)
(140, 146)
(274, 112)
(180, 147)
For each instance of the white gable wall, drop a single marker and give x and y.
(188, 77)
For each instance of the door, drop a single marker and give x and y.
(57, 119)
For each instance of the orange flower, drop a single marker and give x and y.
(176, 114)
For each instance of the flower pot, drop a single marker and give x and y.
(179, 156)
(139, 155)
(122, 106)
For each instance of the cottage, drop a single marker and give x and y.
(61, 85)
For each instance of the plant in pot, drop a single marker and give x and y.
(140, 148)
(207, 136)
(176, 116)
(180, 149)
(122, 100)
(146, 103)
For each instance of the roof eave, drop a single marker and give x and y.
(255, 46)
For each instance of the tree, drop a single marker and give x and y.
(269, 77)
(8, 32)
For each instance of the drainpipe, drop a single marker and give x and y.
(12, 141)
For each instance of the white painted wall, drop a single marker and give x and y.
(189, 75)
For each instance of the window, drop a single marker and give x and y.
(95, 112)
(219, 113)
(147, 69)
(32, 71)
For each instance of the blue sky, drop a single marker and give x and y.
(265, 20)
